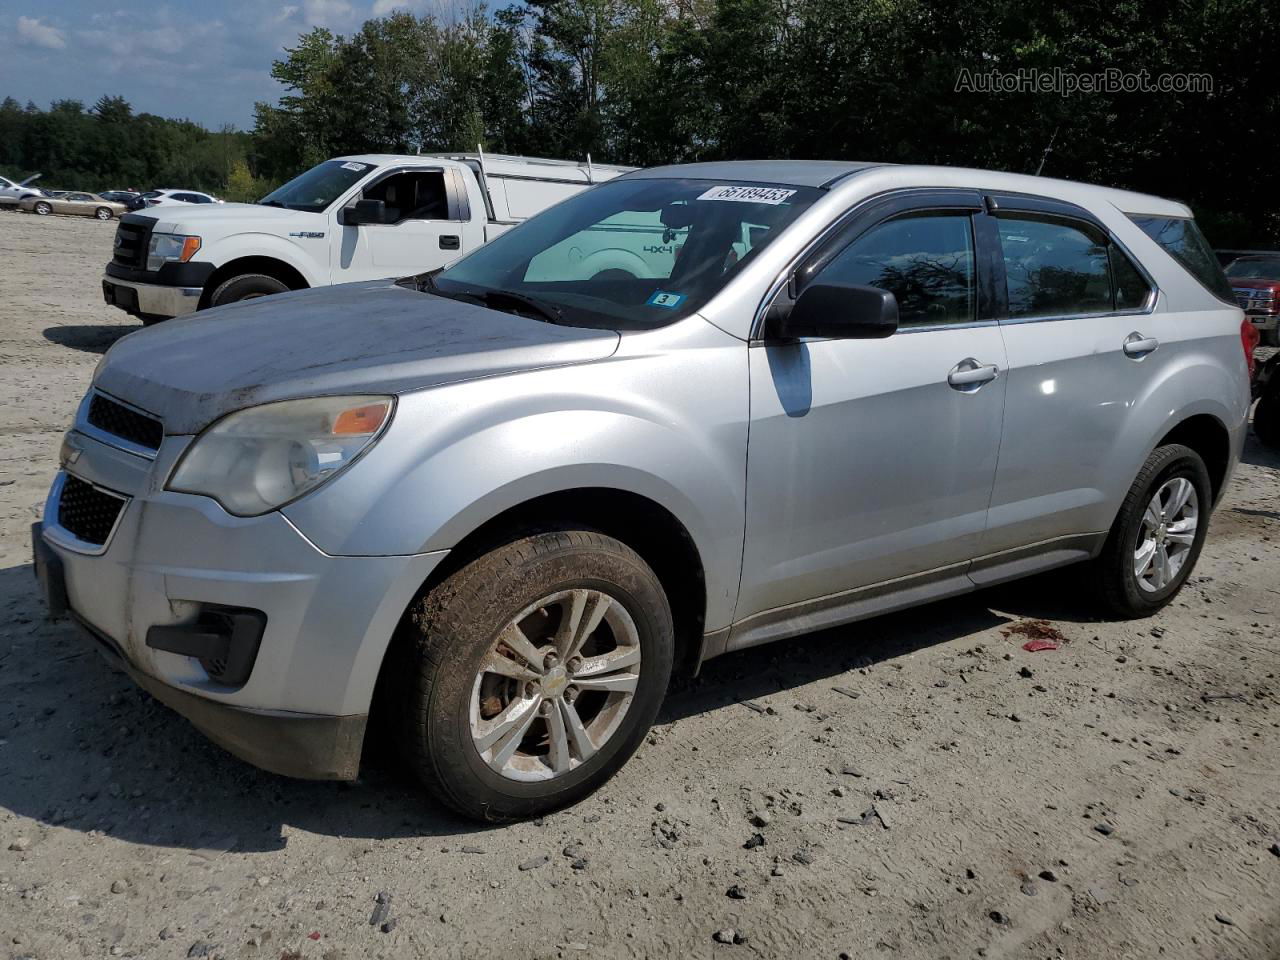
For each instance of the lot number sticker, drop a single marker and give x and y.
(770, 195)
(661, 298)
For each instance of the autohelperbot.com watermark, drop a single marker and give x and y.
(1069, 83)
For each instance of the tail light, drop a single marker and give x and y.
(1249, 338)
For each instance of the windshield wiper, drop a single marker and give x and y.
(270, 203)
(548, 311)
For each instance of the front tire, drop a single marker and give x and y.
(1157, 536)
(246, 286)
(42, 209)
(529, 676)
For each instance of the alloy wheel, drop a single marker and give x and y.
(555, 685)
(1166, 535)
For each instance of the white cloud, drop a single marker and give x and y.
(324, 12)
(32, 31)
(382, 7)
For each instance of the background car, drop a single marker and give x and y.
(118, 196)
(74, 204)
(158, 198)
(11, 192)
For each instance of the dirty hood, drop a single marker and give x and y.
(370, 337)
(224, 218)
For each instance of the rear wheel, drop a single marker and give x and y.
(246, 286)
(103, 213)
(1266, 417)
(533, 673)
(1157, 536)
(42, 208)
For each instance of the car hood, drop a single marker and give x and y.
(240, 217)
(1253, 283)
(362, 338)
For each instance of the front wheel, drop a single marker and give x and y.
(247, 286)
(42, 209)
(531, 674)
(102, 213)
(1157, 536)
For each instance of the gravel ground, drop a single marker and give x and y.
(915, 786)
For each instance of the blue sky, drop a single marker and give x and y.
(208, 61)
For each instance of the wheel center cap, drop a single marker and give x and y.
(554, 681)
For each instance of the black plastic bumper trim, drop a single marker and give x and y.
(194, 274)
(228, 635)
(304, 745)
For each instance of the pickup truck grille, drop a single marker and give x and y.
(132, 237)
(1252, 299)
(87, 513)
(113, 417)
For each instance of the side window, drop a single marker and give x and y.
(1182, 240)
(412, 195)
(927, 262)
(78, 196)
(1131, 287)
(186, 197)
(1053, 269)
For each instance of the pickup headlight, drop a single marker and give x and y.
(170, 248)
(259, 459)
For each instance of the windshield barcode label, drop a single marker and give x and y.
(771, 195)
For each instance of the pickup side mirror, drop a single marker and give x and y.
(365, 211)
(840, 311)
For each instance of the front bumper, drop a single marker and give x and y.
(149, 299)
(170, 558)
(1264, 321)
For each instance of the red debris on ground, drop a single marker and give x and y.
(1035, 646)
(1036, 630)
(313, 935)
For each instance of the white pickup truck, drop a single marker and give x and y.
(351, 218)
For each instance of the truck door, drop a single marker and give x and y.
(422, 229)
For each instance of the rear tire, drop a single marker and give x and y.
(246, 286)
(454, 706)
(1266, 418)
(1114, 574)
(42, 209)
(102, 213)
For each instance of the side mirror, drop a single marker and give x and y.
(365, 211)
(840, 311)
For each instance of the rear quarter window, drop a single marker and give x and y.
(1182, 240)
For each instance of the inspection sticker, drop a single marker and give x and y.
(661, 298)
(352, 165)
(770, 195)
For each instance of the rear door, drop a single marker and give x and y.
(871, 462)
(1083, 347)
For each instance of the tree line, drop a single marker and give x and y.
(660, 81)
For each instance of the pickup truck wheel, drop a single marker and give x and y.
(246, 286)
(42, 208)
(533, 673)
(1266, 418)
(103, 213)
(1156, 538)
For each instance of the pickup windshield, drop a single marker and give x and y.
(1261, 268)
(631, 254)
(314, 190)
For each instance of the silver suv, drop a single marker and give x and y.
(691, 410)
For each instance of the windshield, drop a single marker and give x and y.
(1255, 269)
(629, 254)
(314, 190)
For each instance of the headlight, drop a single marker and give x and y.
(259, 459)
(170, 248)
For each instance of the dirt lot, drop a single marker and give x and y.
(1117, 797)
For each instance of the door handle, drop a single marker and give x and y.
(450, 241)
(1138, 346)
(971, 374)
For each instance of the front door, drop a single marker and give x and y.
(871, 462)
(421, 229)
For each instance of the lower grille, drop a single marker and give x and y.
(124, 422)
(87, 513)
